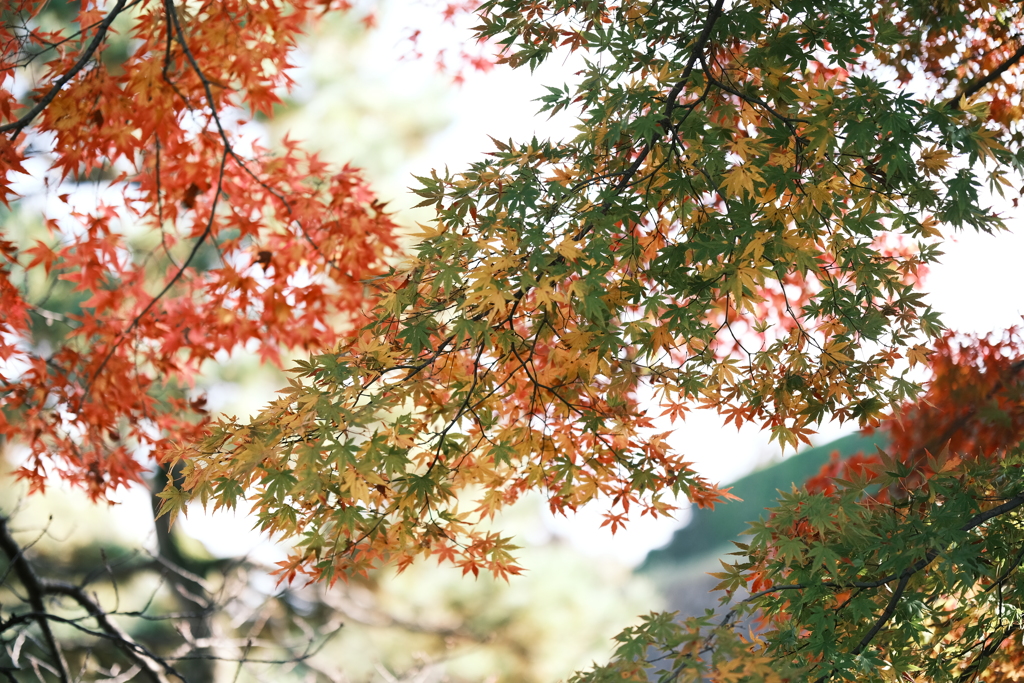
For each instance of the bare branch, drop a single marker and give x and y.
(992, 75)
(153, 665)
(32, 583)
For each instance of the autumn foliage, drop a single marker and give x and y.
(741, 224)
(972, 410)
(202, 243)
(737, 227)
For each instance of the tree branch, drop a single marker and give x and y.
(153, 665)
(976, 87)
(882, 620)
(200, 240)
(38, 587)
(977, 666)
(34, 585)
(890, 608)
(904, 577)
(698, 48)
(44, 102)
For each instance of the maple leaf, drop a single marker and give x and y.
(568, 249)
(740, 180)
(174, 501)
(934, 160)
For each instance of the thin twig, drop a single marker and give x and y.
(170, 283)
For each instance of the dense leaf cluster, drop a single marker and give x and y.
(897, 565)
(740, 224)
(197, 243)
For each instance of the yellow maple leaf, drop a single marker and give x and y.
(486, 298)
(928, 227)
(986, 141)
(783, 159)
(742, 147)
(755, 250)
(569, 249)
(951, 463)
(741, 179)
(661, 338)
(974, 106)
(546, 296)
(429, 231)
(833, 352)
(933, 160)
(563, 175)
(917, 354)
(767, 196)
(355, 485)
(819, 193)
(577, 339)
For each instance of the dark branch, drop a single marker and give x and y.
(44, 102)
(882, 620)
(34, 585)
(976, 87)
(981, 661)
(885, 617)
(149, 662)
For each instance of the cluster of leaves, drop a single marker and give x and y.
(739, 225)
(897, 565)
(203, 242)
(454, 56)
(962, 48)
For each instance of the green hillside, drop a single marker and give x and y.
(712, 530)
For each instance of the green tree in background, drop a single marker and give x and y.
(713, 531)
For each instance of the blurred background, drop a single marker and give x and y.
(369, 94)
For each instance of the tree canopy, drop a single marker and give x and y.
(741, 224)
(203, 243)
(896, 565)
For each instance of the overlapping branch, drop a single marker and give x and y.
(15, 127)
(39, 588)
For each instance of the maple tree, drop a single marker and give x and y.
(741, 224)
(205, 246)
(208, 244)
(147, 232)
